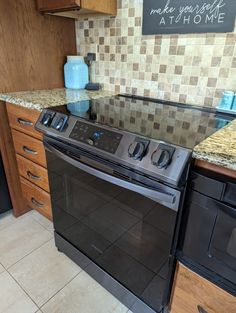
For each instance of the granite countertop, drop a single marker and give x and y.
(42, 99)
(219, 148)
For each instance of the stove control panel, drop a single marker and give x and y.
(100, 138)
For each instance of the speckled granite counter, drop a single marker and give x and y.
(220, 148)
(41, 99)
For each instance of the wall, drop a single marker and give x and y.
(33, 47)
(192, 69)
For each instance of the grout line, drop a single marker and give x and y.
(8, 268)
(18, 283)
(24, 291)
(61, 289)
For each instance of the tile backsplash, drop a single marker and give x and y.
(191, 68)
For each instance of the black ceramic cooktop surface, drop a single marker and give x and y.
(178, 124)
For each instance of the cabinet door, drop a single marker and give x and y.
(105, 6)
(57, 5)
(194, 294)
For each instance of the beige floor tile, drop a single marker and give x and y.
(21, 238)
(41, 220)
(7, 219)
(13, 298)
(83, 295)
(44, 272)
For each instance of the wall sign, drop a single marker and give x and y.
(188, 16)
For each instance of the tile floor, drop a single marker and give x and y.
(35, 277)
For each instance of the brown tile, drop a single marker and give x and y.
(131, 12)
(178, 69)
(211, 82)
(173, 50)
(180, 50)
(107, 23)
(138, 21)
(157, 50)
(208, 101)
(107, 49)
(143, 49)
(224, 72)
(158, 40)
(123, 58)
(215, 61)
(163, 68)
(130, 31)
(135, 67)
(230, 39)
(233, 65)
(91, 24)
(197, 60)
(186, 125)
(228, 51)
(193, 81)
(101, 40)
(154, 77)
(112, 32)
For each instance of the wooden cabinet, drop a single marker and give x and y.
(194, 294)
(36, 198)
(29, 147)
(31, 159)
(77, 8)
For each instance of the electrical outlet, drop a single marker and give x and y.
(91, 56)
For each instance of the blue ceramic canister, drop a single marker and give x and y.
(227, 100)
(76, 72)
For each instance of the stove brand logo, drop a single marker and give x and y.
(188, 16)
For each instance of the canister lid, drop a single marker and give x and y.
(75, 58)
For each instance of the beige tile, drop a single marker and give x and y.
(44, 272)
(13, 298)
(83, 294)
(7, 219)
(46, 223)
(21, 238)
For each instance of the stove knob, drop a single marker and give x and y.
(47, 118)
(161, 158)
(136, 150)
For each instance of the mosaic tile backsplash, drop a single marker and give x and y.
(193, 69)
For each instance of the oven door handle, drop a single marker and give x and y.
(156, 195)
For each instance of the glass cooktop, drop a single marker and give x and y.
(178, 124)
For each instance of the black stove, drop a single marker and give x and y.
(118, 169)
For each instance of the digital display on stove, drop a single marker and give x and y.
(100, 138)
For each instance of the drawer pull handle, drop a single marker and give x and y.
(29, 151)
(24, 122)
(38, 204)
(32, 176)
(201, 310)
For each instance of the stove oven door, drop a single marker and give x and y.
(124, 227)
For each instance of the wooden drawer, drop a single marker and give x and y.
(29, 147)
(23, 119)
(194, 294)
(35, 173)
(36, 198)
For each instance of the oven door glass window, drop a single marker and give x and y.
(125, 233)
(223, 243)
